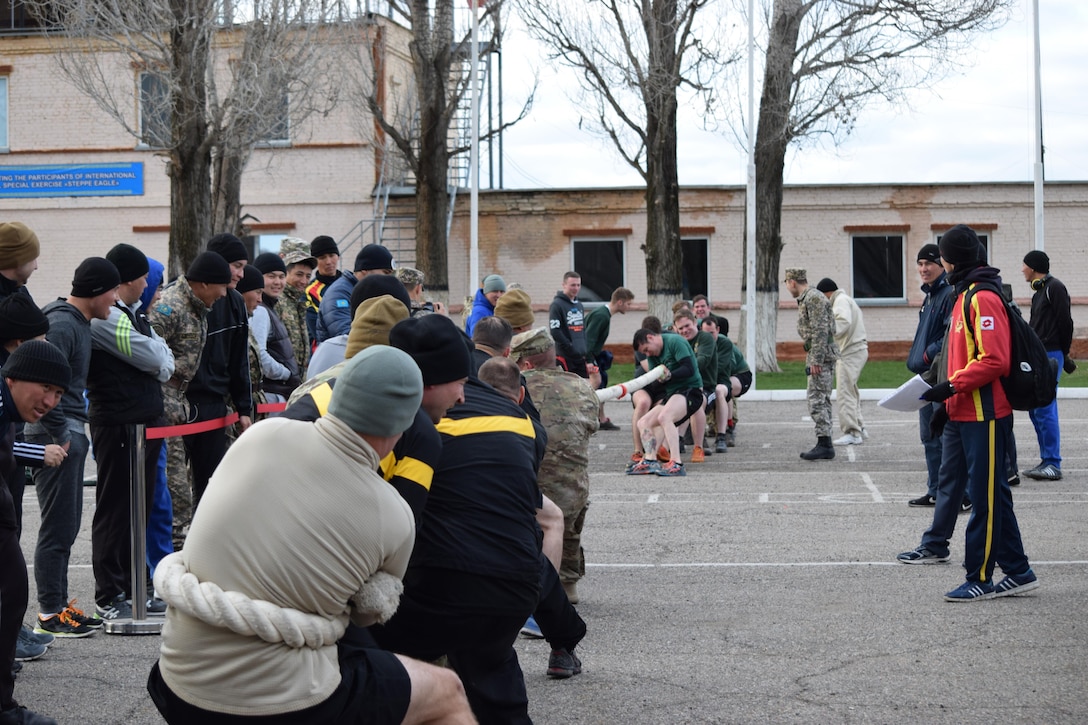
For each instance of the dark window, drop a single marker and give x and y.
(694, 281)
(154, 111)
(878, 267)
(279, 131)
(600, 262)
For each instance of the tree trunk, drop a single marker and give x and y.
(664, 262)
(772, 140)
(189, 167)
(227, 171)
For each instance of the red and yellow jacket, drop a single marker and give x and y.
(978, 355)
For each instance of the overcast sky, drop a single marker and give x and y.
(976, 126)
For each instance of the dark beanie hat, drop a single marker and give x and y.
(131, 263)
(373, 256)
(94, 276)
(270, 262)
(826, 285)
(930, 252)
(229, 247)
(20, 318)
(376, 285)
(323, 245)
(960, 245)
(209, 267)
(38, 361)
(436, 345)
(252, 278)
(1038, 261)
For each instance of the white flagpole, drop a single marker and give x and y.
(474, 157)
(750, 203)
(1040, 238)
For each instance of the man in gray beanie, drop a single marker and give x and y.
(1052, 320)
(335, 556)
(60, 489)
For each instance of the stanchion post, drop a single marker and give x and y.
(139, 624)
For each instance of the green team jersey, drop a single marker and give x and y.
(674, 350)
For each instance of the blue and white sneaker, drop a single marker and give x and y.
(531, 629)
(1011, 586)
(970, 592)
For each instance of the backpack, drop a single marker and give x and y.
(1032, 381)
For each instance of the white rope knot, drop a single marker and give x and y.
(239, 613)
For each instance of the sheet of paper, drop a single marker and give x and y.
(907, 397)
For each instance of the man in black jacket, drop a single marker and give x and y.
(129, 361)
(567, 320)
(1053, 323)
(223, 373)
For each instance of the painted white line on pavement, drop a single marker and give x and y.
(877, 496)
(653, 497)
(785, 564)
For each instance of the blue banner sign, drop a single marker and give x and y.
(72, 180)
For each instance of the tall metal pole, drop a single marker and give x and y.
(750, 202)
(1040, 238)
(474, 156)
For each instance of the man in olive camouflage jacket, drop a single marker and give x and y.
(816, 328)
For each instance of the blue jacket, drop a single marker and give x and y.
(334, 317)
(932, 323)
(481, 308)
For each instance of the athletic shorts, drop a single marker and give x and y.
(374, 688)
(695, 399)
(656, 391)
(745, 379)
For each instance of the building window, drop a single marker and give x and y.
(600, 263)
(694, 279)
(3, 113)
(878, 269)
(279, 130)
(154, 111)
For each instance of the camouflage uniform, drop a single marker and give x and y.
(292, 310)
(180, 318)
(816, 327)
(255, 379)
(568, 410)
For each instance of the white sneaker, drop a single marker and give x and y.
(848, 440)
(864, 434)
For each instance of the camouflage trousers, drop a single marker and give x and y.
(179, 478)
(819, 400)
(573, 501)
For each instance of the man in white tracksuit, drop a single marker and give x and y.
(853, 352)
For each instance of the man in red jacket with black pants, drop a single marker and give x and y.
(979, 420)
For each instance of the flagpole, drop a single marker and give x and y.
(750, 204)
(1040, 238)
(474, 156)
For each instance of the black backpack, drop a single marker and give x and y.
(1032, 381)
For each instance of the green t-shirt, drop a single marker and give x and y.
(598, 322)
(725, 359)
(706, 354)
(674, 349)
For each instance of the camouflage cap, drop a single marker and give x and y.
(533, 342)
(408, 276)
(293, 244)
(798, 274)
(299, 257)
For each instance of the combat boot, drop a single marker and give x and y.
(823, 450)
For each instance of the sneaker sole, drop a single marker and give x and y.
(66, 635)
(931, 560)
(563, 674)
(979, 598)
(31, 658)
(1018, 590)
(914, 505)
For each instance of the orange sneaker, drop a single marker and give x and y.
(697, 455)
(663, 454)
(636, 456)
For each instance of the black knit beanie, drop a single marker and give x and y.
(252, 279)
(376, 285)
(826, 285)
(21, 319)
(270, 262)
(209, 267)
(436, 345)
(229, 247)
(94, 276)
(960, 245)
(37, 361)
(1037, 260)
(131, 263)
(929, 252)
(323, 245)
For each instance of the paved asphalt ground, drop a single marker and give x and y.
(760, 588)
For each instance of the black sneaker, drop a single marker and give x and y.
(27, 648)
(19, 715)
(965, 506)
(607, 424)
(563, 664)
(156, 607)
(119, 608)
(62, 625)
(731, 438)
(720, 446)
(78, 615)
(925, 500)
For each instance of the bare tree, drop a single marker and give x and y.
(415, 123)
(177, 47)
(633, 58)
(825, 60)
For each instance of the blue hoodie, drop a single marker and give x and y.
(481, 308)
(154, 281)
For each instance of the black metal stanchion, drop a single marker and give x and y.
(139, 624)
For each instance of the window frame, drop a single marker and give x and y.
(5, 115)
(621, 241)
(856, 234)
(145, 121)
(687, 291)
